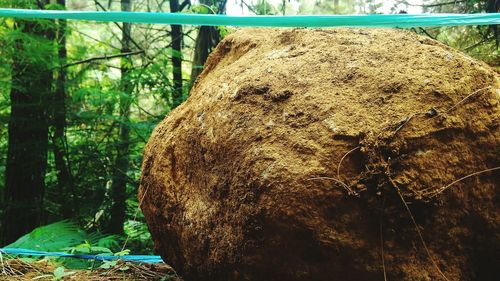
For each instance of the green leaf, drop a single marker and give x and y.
(68, 237)
(97, 249)
(108, 264)
(59, 273)
(122, 253)
(200, 9)
(53, 237)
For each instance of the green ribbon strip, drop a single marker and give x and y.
(396, 20)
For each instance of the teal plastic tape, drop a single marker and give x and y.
(396, 20)
(34, 253)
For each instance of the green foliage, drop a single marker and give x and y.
(54, 6)
(263, 7)
(108, 264)
(203, 9)
(87, 248)
(481, 42)
(19, 4)
(60, 272)
(64, 236)
(139, 236)
(224, 30)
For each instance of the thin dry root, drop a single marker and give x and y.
(342, 159)
(382, 255)
(345, 186)
(432, 194)
(415, 224)
(467, 97)
(135, 216)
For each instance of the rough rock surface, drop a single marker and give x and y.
(243, 182)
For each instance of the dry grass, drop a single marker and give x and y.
(17, 269)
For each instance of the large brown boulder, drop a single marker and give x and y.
(290, 159)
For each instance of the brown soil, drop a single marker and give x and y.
(243, 182)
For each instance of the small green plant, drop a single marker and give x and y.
(60, 272)
(122, 253)
(87, 248)
(109, 264)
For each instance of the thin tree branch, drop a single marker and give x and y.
(479, 43)
(105, 57)
(184, 4)
(119, 26)
(430, 5)
(427, 33)
(95, 39)
(249, 7)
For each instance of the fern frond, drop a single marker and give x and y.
(60, 235)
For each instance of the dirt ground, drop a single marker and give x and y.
(330, 154)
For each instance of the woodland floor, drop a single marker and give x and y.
(16, 269)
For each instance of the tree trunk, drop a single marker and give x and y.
(208, 37)
(176, 35)
(28, 134)
(493, 6)
(119, 180)
(336, 6)
(64, 177)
